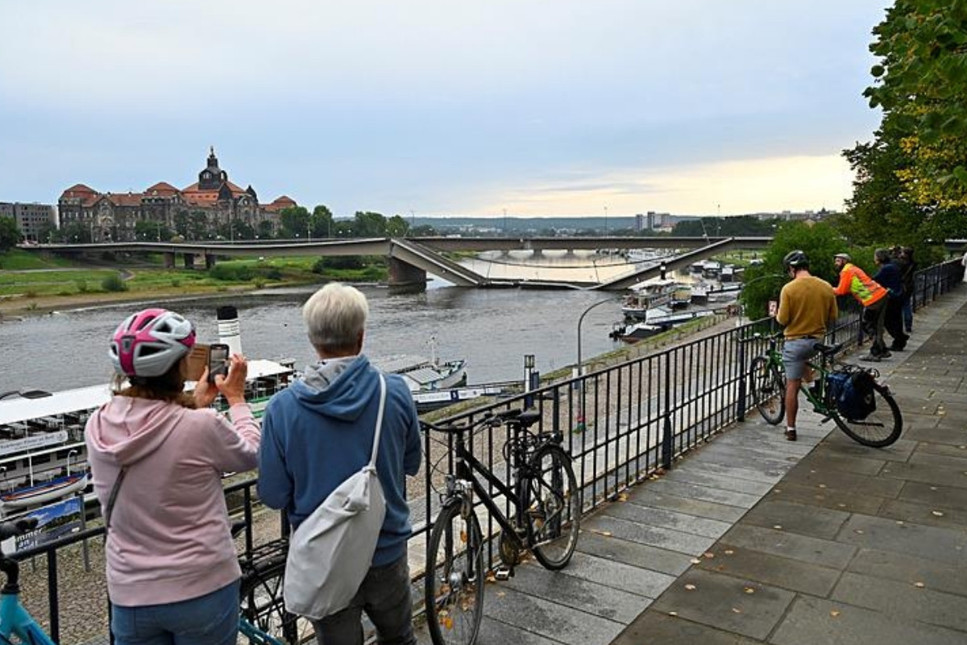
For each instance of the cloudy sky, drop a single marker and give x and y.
(443, 107)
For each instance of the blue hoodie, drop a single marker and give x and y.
(319, 431)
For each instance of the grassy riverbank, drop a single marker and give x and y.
(32, 284)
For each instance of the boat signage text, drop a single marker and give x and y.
(32, 443)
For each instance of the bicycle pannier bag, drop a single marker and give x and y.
(856, 400)
(332, 550)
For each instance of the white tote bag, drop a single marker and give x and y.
(332, 550)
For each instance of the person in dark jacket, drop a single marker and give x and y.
(908, 272)
(319, 431)
(888, 276)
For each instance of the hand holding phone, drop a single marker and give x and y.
(217, 361)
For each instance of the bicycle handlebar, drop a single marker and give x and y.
(525, 418)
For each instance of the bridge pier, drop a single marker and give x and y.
(189, 260)
(169, 258)
(209, 260)
(404, 275)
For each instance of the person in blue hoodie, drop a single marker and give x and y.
(319, 431)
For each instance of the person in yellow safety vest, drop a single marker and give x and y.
(853, 280)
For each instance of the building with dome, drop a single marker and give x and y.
(212, 206)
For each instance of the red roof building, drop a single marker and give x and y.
(211, 206)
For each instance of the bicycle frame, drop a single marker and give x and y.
(466, 466)
(15, 620)
(819, 368)
(254, 634)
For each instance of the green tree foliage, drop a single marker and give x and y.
(293, 222)
(369, 224)
(9, 235)
(741, 226)
(396, 226)
(321, 221)
(920, 83)
(150, 231)
(423, 230)
(820, 242)
(264, 230)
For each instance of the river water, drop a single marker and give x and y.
(492, 328)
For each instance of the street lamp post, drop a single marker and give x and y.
(580, 421)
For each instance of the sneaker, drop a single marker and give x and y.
(886, 354)
(894, 348)
(870, 358)
(791, 435)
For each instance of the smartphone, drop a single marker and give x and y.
(217, 361)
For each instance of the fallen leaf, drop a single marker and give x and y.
(673, 613)
(729, 552)
(749, 590)
(696, 561)
(623, 497)
(690, 587)
(736, 610)
(777, 527)
(834, 613)
(858, 531)
(937, 513)
(709, 555)
(919, 585)
(501, 594)
(822, 485)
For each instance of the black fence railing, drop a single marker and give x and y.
(621, 424)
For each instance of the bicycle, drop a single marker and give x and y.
(882, 427)
(546, 520)
(262, 615)
(15, 620)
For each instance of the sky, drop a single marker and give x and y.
(435, 107)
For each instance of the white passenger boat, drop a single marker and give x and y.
(651, 293)
(42, 452)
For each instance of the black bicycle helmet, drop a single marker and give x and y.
(796, 260)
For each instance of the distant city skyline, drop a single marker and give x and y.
(429, 108)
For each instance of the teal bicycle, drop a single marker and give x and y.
(16, 623)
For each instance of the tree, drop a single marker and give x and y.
(265, 229)
(321, 221)
(151, 231)
(369, 224)
(423, 230)
(9, 235)
(820, 242)
(293, 222)
(396, 226)
(919, 82)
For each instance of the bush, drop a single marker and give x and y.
(81, 286)
(114, 283)
(229, 272)
(338, 262)
(176, 283)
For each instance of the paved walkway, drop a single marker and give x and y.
(753, 539)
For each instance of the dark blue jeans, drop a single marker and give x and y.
(211, 619)
(385, 597)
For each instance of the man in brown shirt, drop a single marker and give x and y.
(806, 306)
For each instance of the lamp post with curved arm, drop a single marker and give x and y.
(580, 366)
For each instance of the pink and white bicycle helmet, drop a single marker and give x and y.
(149, 342)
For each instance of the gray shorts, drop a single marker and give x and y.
(795, 353)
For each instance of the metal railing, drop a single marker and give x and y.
(622, 423)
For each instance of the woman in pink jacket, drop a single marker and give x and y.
(172, 570)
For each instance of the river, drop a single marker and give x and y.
(491, 328)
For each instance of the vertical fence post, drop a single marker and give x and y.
(52, 595)
(740, 403)
(666, 438)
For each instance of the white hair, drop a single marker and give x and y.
(335, 315)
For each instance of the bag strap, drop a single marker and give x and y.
(379, 419)
(112, 498)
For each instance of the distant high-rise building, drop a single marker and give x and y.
(33, 220)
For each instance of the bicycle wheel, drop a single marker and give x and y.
(880, 428)
(768, 390)
(263, 606)
(455, 577)
(552, 506)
